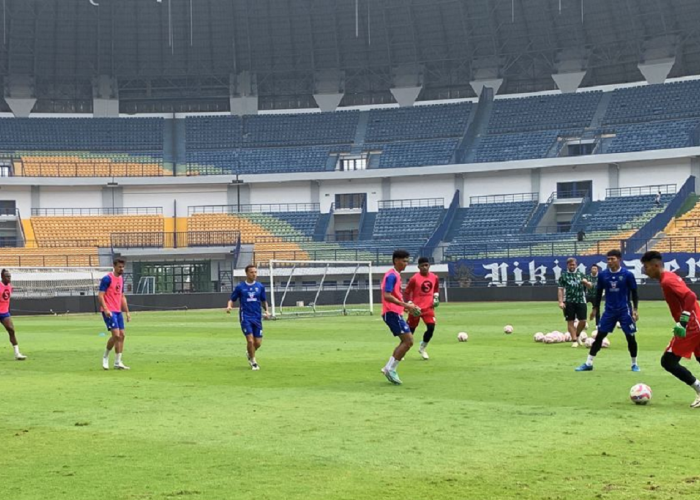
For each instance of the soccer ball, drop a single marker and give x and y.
(640, 394)
(416, 311)
(462, 336)
(508, 329)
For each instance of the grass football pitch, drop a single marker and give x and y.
(499, 416)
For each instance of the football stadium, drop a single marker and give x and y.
(349, 249)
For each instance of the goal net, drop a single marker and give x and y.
(301, 288)
(37, 282)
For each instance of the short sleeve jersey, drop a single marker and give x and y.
(680, 298)
(420, 290)
(590, 293)
(617, 286)
(574, 289)
(251, 297)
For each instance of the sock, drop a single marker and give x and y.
(16, 350)
(106, 353)
(696, 386)
(423, 345)
(253, 362)
(389, 363)
(634, 360)
(118, 358)
(590, 359)
(394, 364)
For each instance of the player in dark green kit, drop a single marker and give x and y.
(590, 293)
(572, 299)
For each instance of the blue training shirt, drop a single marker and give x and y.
(617, 286)
(251, 297)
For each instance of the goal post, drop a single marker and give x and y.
(39, 282)
(300, 288)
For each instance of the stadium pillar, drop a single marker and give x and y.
(656, 71)
(407, 82)
(19, 94)
(105, 97)
(658, 57)
(329, 88)
(570, 65)
(568, 82)
(486, 74)
(243, 98)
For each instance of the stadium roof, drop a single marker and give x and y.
(179, 55)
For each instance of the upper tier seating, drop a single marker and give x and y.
(419, 122)
(406, 223)
(415, 154)
(546, 112)
(91, 230)
(81, 134)
(521, 146)
(654, 135)
(50, 257)
(668, 101)
(88, 165)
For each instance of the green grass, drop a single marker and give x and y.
(497, 417)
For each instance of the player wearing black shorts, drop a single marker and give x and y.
(572, 299)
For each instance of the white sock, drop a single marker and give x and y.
(253, 362)
(696, 386)
(389, 363)
(107, 351)
(423, 345)
(118, 358)
(16, 350)
(634, 361)
(590, 359)
(394, 364)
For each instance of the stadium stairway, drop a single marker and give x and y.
(368, 223)
(477, 128)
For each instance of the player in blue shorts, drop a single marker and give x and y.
(619, 285)
(253, 302)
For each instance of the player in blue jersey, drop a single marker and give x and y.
(253, 307)
(619, 285)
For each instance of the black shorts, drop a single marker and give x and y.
(574, 311)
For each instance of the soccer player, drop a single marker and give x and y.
(619, 284)
(113, 306)
(591, 292)
(393, 307)
(253, 302)
(423, 290)
(5, 317)
(685, 311)
(572, 299)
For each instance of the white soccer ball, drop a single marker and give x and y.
(606, 342)
(640, 394)
(583, 336)
(462, 336)
(567, 337)
(508, 329)
(594, 334)
(588, 342)
(539, 337)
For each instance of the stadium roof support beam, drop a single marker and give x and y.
(407, 82)
(19, 94)
(571, 66)
(243, 94)
(105, 97)
(658, 57)
(486, 74)
(329, 88)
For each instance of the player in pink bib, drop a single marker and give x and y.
(5, 317)
(393, 307)
(113, 306)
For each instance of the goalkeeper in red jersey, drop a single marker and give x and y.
(685, 310)
(423, 290)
